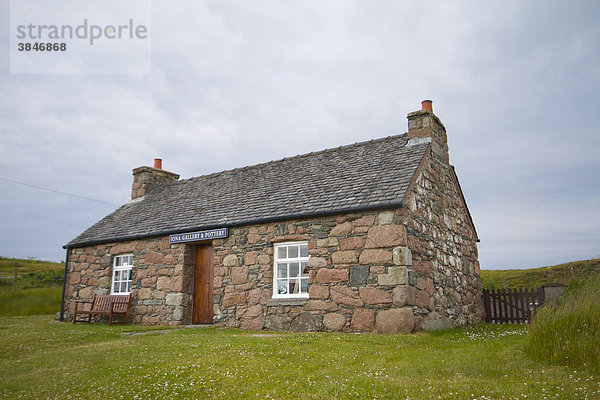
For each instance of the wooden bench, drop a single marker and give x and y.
(107, 304)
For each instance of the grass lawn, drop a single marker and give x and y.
(44, 359)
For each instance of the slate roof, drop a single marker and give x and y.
(361, 176)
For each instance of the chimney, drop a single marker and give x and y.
(425, 124)
(427, 105)
(147, 178)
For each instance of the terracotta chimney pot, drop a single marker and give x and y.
(427, 105)
(158, 163)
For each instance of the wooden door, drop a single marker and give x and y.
(203, 278)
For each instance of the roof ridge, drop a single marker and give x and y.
(247, 167)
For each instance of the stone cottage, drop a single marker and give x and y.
(369, 237)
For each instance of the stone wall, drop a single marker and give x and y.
(444, 246)
(552, 293)
(358, 276)
(161, 279)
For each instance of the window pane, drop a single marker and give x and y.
(117, 261)
(123, 287)
(282, 286)
(282, 270)
(116, 287)
(293, 252)
(294, 286)
(304, 283)
(303, 250)
(291, 278)
(130, 260)
(116, 276)
(294, 269)
(129, 286)
(128, 275)
(281, 252)
(304, 269)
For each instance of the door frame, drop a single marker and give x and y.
(197, 314)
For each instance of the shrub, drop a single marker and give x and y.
(569, 332)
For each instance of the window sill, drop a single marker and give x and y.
(292, 301)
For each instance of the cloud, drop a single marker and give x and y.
(236, 83)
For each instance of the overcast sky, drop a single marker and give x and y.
(235, 83)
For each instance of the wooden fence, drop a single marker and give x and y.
(513, 306)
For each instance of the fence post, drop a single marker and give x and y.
(511, 305)
(522, 306)
(494, 304)
(530, 303)
(486, 305)
(504, 308)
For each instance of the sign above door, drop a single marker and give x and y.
(197, 236)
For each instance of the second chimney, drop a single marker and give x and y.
(147, 178)
(424, 123)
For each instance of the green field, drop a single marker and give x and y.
(38, 288)
(536, 277)
(42, 359)
(30, 273)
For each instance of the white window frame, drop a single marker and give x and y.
(122, 263)
(287, 260)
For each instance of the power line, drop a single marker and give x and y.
(57, 191)
(39, 216)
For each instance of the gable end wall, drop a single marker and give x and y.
(444, 244)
